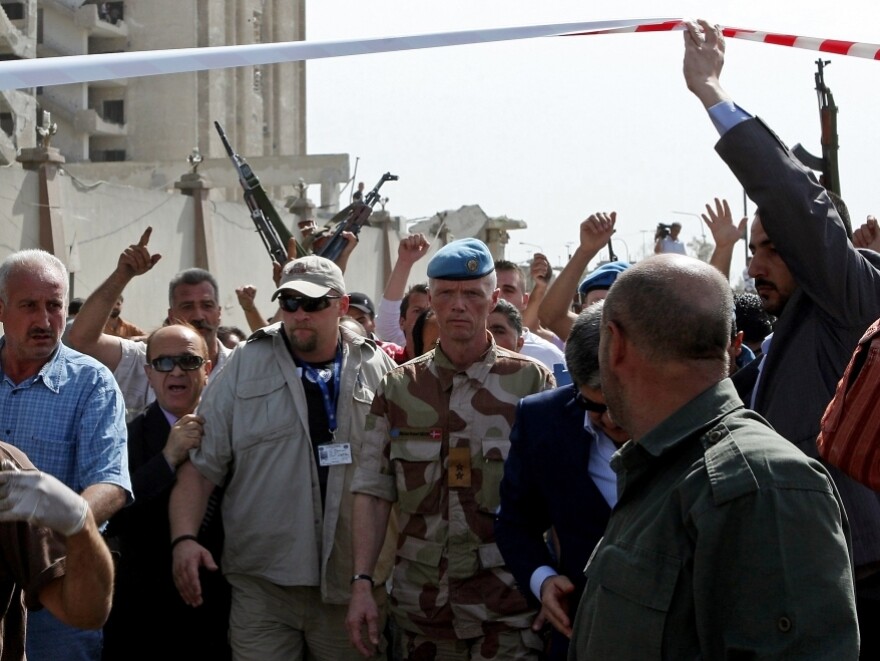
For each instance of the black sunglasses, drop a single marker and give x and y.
(185, 361)
(590, 405)
(307, 303)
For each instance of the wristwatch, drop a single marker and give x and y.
(363, 577)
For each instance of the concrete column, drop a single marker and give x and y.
(198, 186)
(45, 161)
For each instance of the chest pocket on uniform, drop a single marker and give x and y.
(418, 473)
(494, 454)
(263, 407)
(634, 585)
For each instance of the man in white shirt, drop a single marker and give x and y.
(666, 239)
(512, 285)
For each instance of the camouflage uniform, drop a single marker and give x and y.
(436, 443)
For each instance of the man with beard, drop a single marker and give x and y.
(726, 541)
(822, 290)
(192, 297)
(284, 427)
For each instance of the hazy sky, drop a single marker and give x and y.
(550, 130)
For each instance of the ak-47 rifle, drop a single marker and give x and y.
(827, 164)
(352, 218)
(269, 225)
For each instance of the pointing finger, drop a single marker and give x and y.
(145, 237)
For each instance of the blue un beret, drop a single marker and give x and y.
(603, 277)
(465, 259)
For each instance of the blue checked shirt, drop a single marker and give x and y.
(70, 421)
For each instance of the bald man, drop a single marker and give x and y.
(726, 541)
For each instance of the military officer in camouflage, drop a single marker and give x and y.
(437, 437)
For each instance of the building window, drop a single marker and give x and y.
(7, 123)
(107, 155)
(14, 10)
(114, 111)
(112, 12)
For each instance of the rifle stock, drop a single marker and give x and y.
(270, 227)
(352, 218)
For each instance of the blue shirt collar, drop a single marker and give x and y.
(50, 373)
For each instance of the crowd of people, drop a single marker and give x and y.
(614, 464)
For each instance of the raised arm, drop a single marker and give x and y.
(410, 250)
(541, 273)
(796, 212)
(86, 333)
(351, 242)
(555, 310)
(247, 295)
(720, 222)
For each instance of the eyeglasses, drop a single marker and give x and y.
(590, 405)
(307, 303)
(185, 361)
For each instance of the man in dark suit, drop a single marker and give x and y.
(147, 609)
(557, 476)
(808, 274)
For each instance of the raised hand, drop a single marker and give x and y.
(596, 231)
(720, 222)
(412, 248)
(540, 269)
(868, 235)
(703, 60)
(137, 259)
(247, 296)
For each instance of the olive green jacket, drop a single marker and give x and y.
(726, 542)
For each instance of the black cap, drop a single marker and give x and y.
(361, 302)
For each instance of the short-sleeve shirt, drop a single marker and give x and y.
(69, 419)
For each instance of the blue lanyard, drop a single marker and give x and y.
(329, 403)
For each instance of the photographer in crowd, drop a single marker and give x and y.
(666, 239)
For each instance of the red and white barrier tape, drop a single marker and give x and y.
(834, 46)
(39, 72)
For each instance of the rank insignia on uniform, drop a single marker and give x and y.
(459, 472)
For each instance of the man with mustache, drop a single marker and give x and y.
(192, 297)
(284, 429)
(64, 411)
(808, 274)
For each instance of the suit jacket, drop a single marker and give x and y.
(837, 298)
(546, 484)
(145, 597)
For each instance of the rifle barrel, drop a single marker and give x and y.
(224, 139)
